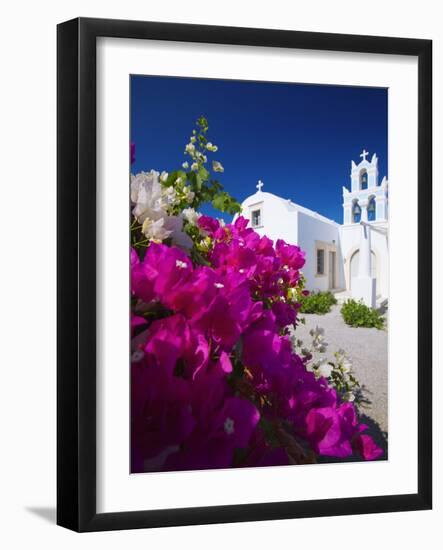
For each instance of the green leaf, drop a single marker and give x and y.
(219, 203)
(196, 182)
(203, 173)
(171, 179)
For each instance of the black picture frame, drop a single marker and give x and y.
(76, 280)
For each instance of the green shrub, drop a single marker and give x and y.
(357, 314)
(317, 302)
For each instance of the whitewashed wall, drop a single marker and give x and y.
(350, 241)
(279, 221)
(310, 230)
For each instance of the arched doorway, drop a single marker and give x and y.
(354, 268)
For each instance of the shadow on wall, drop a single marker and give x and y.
(46, 513)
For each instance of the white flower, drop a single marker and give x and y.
(147, 195)
(318, 339)
(169, 195)
(349, 396)
(324, 369)
(185, 165)
(217, 166)
(318, 331)
(344, 361)
(310, 366)
(190, 148)
(179, 237)
(189, 195)
(346, 365)
(295, 342)
(178, 180)
(164, 176)
(190, 215)
(141, 182)
(155, 230)
(137, 355)
(229, 426)
(194, 166)
(211, 147)
(168, 226)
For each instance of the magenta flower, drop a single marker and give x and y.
(217, 436)
(365, 446)
(208, 224)
(284, 314)
(176, 347)
(162, 270)
(210, 358)
(161, 417)
(263, 348)
(290, 255)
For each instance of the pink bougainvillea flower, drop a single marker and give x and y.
(214, 441)
(290, 255)
(284, 314)
(162, 269)
(176, 347)
(324, 432)
(366, 447)
(208, 224)
(196, 329)
(161, 416)
(194, 293)
(224, 363)
(134, 258)
(234, 257)
(263, 348)
(227, 309)
(136, 322)
(334, 431)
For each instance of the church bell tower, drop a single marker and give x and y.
(367, 200)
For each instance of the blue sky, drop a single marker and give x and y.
(299, 139)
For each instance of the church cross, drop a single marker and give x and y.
(364, 154)
(259, 185)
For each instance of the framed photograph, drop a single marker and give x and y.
(244, 274)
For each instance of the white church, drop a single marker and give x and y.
(351, 259)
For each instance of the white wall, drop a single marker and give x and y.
(311, 230)
(350, 242)
(27, 292)
(279, 222)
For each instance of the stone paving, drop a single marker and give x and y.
(368, 350)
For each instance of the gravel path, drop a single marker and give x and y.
(368, 350)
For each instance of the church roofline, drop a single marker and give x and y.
(290, 205)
